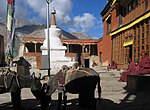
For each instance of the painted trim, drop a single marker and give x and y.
(114, 1)
(128, 43)
(131, 24)
(107, 17)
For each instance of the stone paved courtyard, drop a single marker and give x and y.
(114, 97)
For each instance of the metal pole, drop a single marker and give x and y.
(48, 42)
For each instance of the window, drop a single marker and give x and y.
(147, 34)
(134, 34)
(127, 9)
(138, 49)
(138, 36)
(29, 47)
(147, 29)
(142, 41)
(124, 11)
(147, 47)
(134, 50)
(142, 24)
(138, 39)
(120, 20)
(134, 3)
(38, 45)
(130, 7)
(108, 25)
(146, 4)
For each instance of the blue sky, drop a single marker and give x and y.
(72, 15)
(93, 7)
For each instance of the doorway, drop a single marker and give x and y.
(100, 57)
(130, 51)
(86, 62)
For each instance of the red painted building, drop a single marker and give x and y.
(126, 30)
(105, 43)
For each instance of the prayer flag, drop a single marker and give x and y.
(9, 14)
(11, 25)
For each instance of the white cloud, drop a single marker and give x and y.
(38, 6)
(62, 10)
(72, 29)
(26, 8)
(83, 23)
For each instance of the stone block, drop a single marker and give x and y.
(137, 83)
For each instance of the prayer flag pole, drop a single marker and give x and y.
(48, 42)
(10, 27)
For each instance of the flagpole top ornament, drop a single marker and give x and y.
(49, 1)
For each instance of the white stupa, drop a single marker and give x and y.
(57, 50)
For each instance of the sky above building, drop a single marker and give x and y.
(71, 15)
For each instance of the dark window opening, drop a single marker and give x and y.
(130, 7)
(130, 51)
(138, 36)
(30, 47)
(108, 25)
(86, 62)
(73, 48)
(93, 50)
(134, 3)
(38, 45)
(120, 20)
(146, 4)
(86, 49)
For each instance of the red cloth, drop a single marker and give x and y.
(144, 66)
(112, 65)
(10, 2)
(129, 70)
(136, 69)
(145, 62)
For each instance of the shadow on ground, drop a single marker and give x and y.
(138, 101)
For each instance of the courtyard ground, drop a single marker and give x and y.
(114, 97)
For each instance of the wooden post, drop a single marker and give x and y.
(68, 48)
